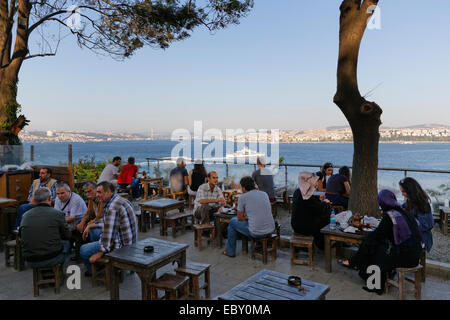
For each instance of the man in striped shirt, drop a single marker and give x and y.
(209, 199)
(119, 226)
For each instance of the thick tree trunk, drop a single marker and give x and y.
(363, 116)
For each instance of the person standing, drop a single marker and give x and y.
(263, 178)
(254, 216)
(418, 203)
(118, 223)
(111, 172)
(44, 233)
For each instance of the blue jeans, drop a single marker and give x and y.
(234, 227)
(22, 209)
(135, 186)
(95, 234)
(86, 251)
(59, 259)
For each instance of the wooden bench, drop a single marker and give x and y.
(200, 229)
(170, 283)
(46, 275)
(180, 219)
(60, 173)
(402, 279)
(301, 241)
(194, 270)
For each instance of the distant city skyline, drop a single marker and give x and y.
(277, 69)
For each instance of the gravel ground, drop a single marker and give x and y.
(439, 252)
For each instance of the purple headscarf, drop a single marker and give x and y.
(388, 203)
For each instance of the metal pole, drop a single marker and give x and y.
(286, 176)
(148, 166)
(226, 169)
(159, 170)
(406, 173)
(31, 153)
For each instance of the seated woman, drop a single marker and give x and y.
(197, 177)
(324, 174)
(395, 243)
(418, 203)
(128, 176)
(338, 187)
(309, 214)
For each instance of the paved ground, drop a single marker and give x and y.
(225, 274)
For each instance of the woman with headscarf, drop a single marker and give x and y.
(309, 213)
(395, 243)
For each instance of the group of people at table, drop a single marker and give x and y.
(108, 221)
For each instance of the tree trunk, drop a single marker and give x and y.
(363, 116)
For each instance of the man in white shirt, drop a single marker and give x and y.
(111, 171)
(74, 208)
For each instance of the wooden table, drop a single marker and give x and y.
(161, 207)
(146, 181)
(134, 258)
(340, 236)
(221, 219)
(444, 213)
(4, 221)
(271, 285)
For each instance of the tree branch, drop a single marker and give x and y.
(39, 55)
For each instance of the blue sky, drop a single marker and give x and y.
(276, 69)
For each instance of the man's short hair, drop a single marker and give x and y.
(48, 170)
(209, 173)
(91, 184)
(180, 160)
(248, 183)
(107, 185)
(42, 194)
(131, 160)
(62, 184)
(116, 158)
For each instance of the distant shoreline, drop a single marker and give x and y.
(306, 142)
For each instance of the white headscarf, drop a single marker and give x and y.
(307, 184)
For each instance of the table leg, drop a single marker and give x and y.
(218, 232)
(145, 190)
(146, 278)
(114, 283)
(327, 254)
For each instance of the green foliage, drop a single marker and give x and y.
(87, 169)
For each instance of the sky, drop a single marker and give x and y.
(275, 70)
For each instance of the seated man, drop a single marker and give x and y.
(338, 187)
(73, 207)
(88, 225)
(45, 180)
(254, 217)
(119, 226)
(128, 177)
(43, 230)
(179, 177)
(209, 199)
(263, 178)
(111, 171)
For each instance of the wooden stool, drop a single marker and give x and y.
(301, 241)
(401, 284)
(272, 239)
(104, 273)
(423, 263)
(180, 219)
(170, 283)
(42, 276)
(199, 229)
(194, 270)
